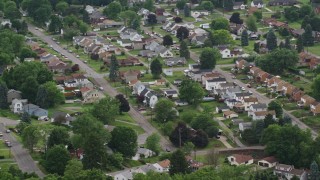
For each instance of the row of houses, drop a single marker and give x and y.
(280, 170)
(275, 84)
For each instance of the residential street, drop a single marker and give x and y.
(100, 81)
(20, 154)
(261, 98)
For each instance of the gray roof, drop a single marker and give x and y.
(219, 79)
(227, 84)
(259, 106)
(171, 92)
(144, 92)
(176, 59)
(223, 107)
(256, 2)
(243, 94)
(59, 113)
(246, 125)
(234, 89)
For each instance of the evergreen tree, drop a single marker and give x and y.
(3, 95)
(308, 39)
(287, 43)
(178, 163)
(186, 11)
(156, 68)
(281, 45)
(135, 24)
(184, 51)
(271, 40)
(114, 68)
(228, 5)
(256, 47)
(299, 44)
(315, 174)
(25, 117)
(124, 104)
(201, 139)
(42, 95)
(244, 38)
(305, 22)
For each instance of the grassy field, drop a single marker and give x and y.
(176, 75)
(8, 114)
(314, 49)
(137, 128)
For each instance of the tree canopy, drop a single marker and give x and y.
(191, 91)
(164, 111)
(209, 58)
(124, 140)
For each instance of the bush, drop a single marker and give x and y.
(1, 157)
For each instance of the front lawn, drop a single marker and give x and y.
(8, 114)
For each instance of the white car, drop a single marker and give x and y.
(101, 88)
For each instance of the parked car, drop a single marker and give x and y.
(1, 134)
(8, 131)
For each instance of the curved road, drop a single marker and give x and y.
(20, 154)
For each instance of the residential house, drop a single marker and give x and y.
(239, 5)
(244, 125)
(268, 162)
(17, 105)
(167, 72)
(124, 42)
(232, 91)
(147, 53)
(297, 94)
(196, 75)
(241, 96)
(47, 58)
(199, 13)
(34, 110)
(171, 93)
(126, 175)
(13, 94)
(231, 103)
(90, 95)
(164, 52)
(137, 45)
(89, 9)
(315, 108)
(193, 164)
(209, 76)
(260, 115)
(241, 64)
(230, 114)
(237, 29)
(165, 165)
(107, 23)
(150, 99)
(254, 71)
(174, 61)
(271, 22)
(288, 172)
(130, 75)
(58, 66)
(248, 101)
(177, 82)
(160, 82)
(97, 17)
(306, 100)
(138, 88)
(240, 159)
(77, 80)
(143, 153)
(199, 39)
(257, 3)
(143, 12)
(214, 83)
(225, 52)
(62, 118)
(261, 76)
(282, 2)
(220, 109)
(227, 85)
(287, 89)
(160, 11)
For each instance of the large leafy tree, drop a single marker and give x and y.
(74, 170)
(308, 39)
(149, 4)
(167, 40)
(182, 33)
(184, 51)
(39, 10)
(200, 139)
(316, 87)
(220, 23)
(49, 95)
(152, 19)
(124, 104)
(299, 44)
(209, 57)
(58, 136)
(124, 140)
(29, 88)
(56, 159)
(153, 143)
(113, 10)
(276, 106)
(181, 134)
(191, 91)
(164, 111)
(114, 68)
(180, 4)
(55, 24)
(244, 38)
(3, 95)
(314, 174)
(271, 40)
(178, 163)
(251, 23)
(235, 18)
(222, 37)
(105, 110)
(156, 68)
(186, 10)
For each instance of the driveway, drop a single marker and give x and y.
(21, 155)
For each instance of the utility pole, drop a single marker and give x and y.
(179, 137)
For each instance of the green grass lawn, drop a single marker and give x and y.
(6, 153)
(8, 114)
(176, 75)
(213, 143)
(225, 61)
(212, 105)
(312, 121)
(137, 128)
(301, 113)
(125, 117)
(314, 49)
(147, 78)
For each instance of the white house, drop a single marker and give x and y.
(239, 159)
(89, 9)
(248, 101)
(168, 72)
(225, 53)
(126, 175)
(143, 153)
(205, 26)
(171, 93)
(165, 164)
(260, 115)
(231, 102)
(232, 91)
(138, 88)
(17, 105)
(230, 114)
(214, 83)
(257, 3)
(124, 42)
(268, 162)
(181, 103)
(165, 53)
(256, 107)
(245, 125)
(196, 14)
(288, 171)
(150, 99)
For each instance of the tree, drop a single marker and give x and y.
(228, 5)
(257, 15)
(58, 136)
(315, 88)
(212, 131)
(135, 24)
(113, 10)
(83, 27)
(25, 117)
(207, 5)
(114, 68)
(105, 110)
(178, 163)
(181, 135)
(220, 23)
(186, 11)
(308, 39)
(156, 68)
(271, 40)
(221, 37)
(124, 140)
(124, 104)
(184, 51)
(3, 95)
(191, 91)
(207, 43)
(49, 95)
(153, 143)
(306, 20)
(74, 170)
(251, 23)
(314, 174)
(274, 105)
(268, 120)
(128, 17)
(299, 44)
(235, 18)
(61, 7)
(29, 88)
(178, 19)
(188, 148)
(26, 53)
(180, 4)
(11, 11)
(167, 40)
(287, 43)
(244, 38)
(284, 32)
(291, 13)
(56, 159)
(152, 19)
(305, 10)
(209, 57)
(164, 111)
(75, 68)
(182, 33)
(200, 140)
(149, 4)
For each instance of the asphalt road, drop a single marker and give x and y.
(101, 82)
(20, 154)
